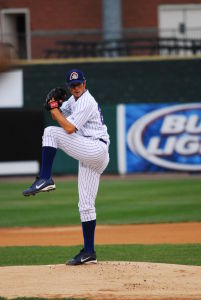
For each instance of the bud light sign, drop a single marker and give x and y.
(163, 137)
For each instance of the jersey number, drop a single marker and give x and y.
(101, 115)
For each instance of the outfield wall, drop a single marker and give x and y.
(112, 82)
(123, 80)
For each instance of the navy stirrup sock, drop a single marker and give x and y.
(48, 154)
(88, 229)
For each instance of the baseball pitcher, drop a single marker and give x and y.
(82, 135)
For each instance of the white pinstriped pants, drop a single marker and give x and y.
(93, 158)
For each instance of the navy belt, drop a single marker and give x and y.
(103, 141)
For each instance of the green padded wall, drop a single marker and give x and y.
(112, 82)
(120, 82)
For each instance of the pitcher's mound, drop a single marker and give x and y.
(106, 280)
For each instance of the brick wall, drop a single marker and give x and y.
(87, 14)
(47, 15)
(60, 14)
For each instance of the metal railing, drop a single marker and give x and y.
(124, 47)
(72, 44)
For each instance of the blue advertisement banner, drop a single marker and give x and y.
(162, 137)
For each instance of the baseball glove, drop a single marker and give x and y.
(55, 98)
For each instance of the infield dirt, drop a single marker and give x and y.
(106, 280)
(171, 233)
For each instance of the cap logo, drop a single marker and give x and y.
(73, 75)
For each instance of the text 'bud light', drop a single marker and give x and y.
(169, 137)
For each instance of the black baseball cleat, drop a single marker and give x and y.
(40, 185)
(83, 257)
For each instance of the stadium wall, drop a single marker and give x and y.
(114, 81)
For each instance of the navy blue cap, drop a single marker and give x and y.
(74, 76)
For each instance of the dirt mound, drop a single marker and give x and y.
(106, 280)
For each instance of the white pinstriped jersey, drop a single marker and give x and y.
(86, 116)
(84, 146)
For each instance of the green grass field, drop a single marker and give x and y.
(118, 202)
(173, 254)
